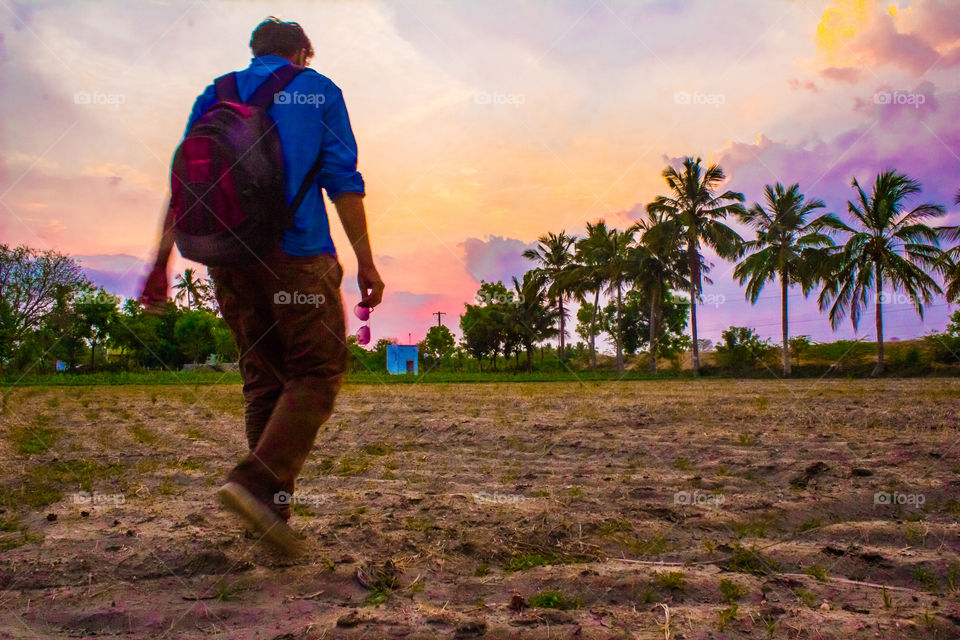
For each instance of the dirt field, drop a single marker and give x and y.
(706, 509)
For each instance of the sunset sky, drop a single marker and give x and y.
(482, 125)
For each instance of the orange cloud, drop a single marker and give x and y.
(864, 35)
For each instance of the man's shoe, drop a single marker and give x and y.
(265, 520)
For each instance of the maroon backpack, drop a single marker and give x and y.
(227, 179)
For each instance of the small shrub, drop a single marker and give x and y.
(726, 616)
(926, 577)
(34, 439)
(806, 596)
(523, 561)
(730, 591)
(809, 524)
(749, 560)
(378, 595)
(672, 580)
(554, 600)
(818, 572)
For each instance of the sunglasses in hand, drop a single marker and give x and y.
(363, 333)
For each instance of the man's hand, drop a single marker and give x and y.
(155, 289)
(371, 286)
(354, 219)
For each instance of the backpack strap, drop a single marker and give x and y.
(264, 95)
(306, 184)
(226, 88)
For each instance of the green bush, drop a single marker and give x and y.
(942, 348)
(741, 348)
(845, 353)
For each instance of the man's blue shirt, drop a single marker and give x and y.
(311, 118)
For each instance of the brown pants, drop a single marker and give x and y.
(286, 315)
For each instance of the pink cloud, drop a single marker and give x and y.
(798, 85)
(848, 75)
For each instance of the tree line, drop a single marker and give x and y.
(890, 244)
(625, 283)
(51, 313)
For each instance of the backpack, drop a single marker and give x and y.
(227, 179)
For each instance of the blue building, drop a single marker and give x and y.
(402, 358)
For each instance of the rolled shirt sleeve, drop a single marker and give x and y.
(338, 173)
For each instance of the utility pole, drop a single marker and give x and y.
(438, 314)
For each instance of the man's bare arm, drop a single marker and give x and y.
(166, 239)
(354, 219)
(155, 288)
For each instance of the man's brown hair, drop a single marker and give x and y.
(276, 37)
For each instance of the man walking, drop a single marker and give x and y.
(283, 305)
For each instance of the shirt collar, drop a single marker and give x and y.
(272, 62)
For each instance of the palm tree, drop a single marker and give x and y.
(604, 264)
(555, 258)
(589, 272)
(532, 318)
(787, 247)
(884, 245)
(189, 287)
(699, 212)
(660, 266)
(949, 262)
(620, 270)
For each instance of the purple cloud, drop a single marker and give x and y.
(496, 258)
(120, 274)
(913, 132)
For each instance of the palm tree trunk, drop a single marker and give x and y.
(783, 322)
(878, 370)
(593, 330)
(654, 320)
(619, 330)
(562, 326)
(694, 285)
